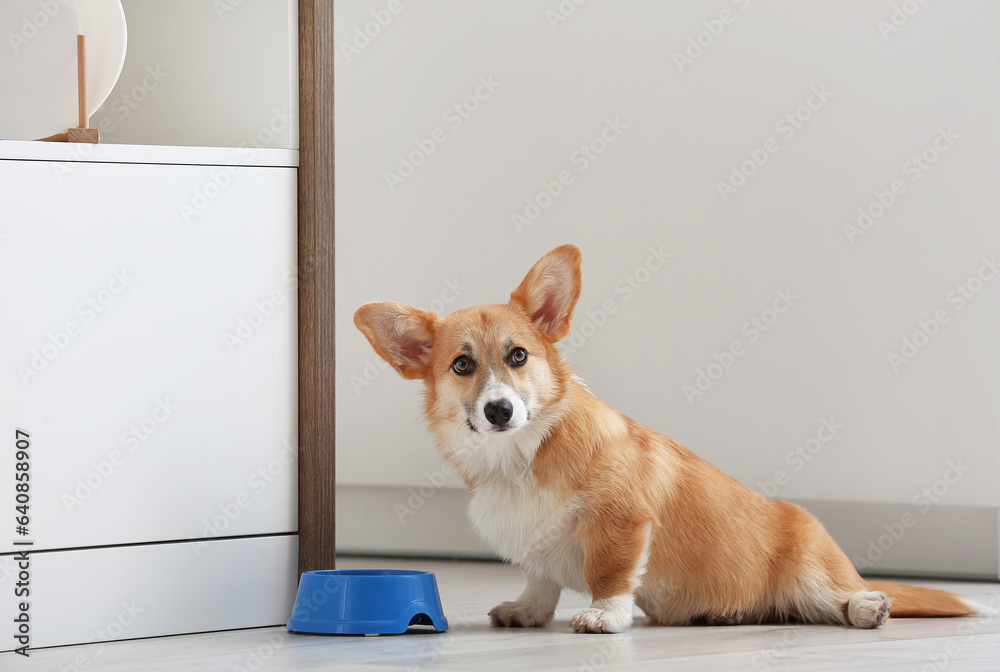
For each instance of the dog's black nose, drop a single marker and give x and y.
(498, 412)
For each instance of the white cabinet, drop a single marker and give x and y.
(149, 349)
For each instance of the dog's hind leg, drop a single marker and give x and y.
(863, 609)
(819, 583)
(831, 591)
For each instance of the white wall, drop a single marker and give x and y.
(211, 74)
(883, 87)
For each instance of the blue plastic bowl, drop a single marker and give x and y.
(366, 602)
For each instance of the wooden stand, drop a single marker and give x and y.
(83, 132)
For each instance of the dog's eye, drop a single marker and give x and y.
(518, 357)
(462, 366)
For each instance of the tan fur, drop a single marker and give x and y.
(630, 512)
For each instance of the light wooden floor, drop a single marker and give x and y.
(470, 589)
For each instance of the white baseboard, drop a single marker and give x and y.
(149, 590)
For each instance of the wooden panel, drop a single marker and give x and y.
(316, 300)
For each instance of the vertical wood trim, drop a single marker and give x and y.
(316, 299)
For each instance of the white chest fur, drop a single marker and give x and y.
(523, 522)
(513, 515)
(530, 526)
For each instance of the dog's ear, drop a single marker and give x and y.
(400, 335)
(549, 292)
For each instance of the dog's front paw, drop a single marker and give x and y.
(517, 615)
(868, 609)
(609, 616)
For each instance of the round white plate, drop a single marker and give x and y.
(38, 81)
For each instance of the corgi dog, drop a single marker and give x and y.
(582, 497)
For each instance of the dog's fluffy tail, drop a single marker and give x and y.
(916, 602)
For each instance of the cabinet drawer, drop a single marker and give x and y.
(150, 349)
